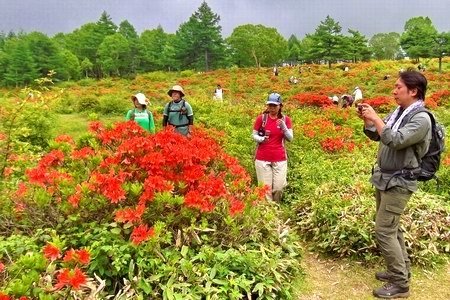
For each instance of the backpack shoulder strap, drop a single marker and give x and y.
(416, 111)
(264, 120)
(132, 115)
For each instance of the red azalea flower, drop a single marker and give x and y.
(141, 234)
(64, 139)
(446, 161)
(4, 297)
(2, 267)
(83, 256)
(74, 278)
(51, 252)
(82, 153)
(78, 278)
(69, 255)
(21, 190)
(130, 215)
(236, 207)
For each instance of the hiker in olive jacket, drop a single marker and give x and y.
(404, 140)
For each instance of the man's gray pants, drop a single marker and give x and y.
(390, 206)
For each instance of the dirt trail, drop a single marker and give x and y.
(345, 280)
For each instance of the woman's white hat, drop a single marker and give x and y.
(140, 98)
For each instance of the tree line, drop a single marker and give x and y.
(103, 49)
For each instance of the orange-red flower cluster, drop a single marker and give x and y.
(311, 99)
(380, 102)
(446, 160)
(64, 139)
(51, 252)
(80, 256)
(336, 144)
(70, 278)
(438, 98)
(131, 167)
(141, 233)
(73, 278)
(4, 297)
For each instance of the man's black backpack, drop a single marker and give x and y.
(429, 163)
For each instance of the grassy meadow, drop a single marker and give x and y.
(317, 244)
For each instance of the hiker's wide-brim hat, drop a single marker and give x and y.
(176, 88)
(140, 98)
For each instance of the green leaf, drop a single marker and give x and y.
(184, 250)
(212, 273)
(145, 286)
(116, 231)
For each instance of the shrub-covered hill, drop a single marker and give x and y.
(102, 203)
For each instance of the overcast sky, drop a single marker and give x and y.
(297, 17)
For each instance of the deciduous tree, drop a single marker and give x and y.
(385, 45)
(419, 34)
(257, 45)
(114, 53)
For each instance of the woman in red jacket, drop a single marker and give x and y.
(270, 130)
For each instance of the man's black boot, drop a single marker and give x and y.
(391, 290)
(384, 276)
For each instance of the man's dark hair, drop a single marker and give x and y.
(415, 80)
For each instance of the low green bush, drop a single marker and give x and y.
(87, 104)
(113, 105)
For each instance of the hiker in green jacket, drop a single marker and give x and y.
(140, 114)
(178, 112)
(404, 140)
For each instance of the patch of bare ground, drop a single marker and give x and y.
(341, 279)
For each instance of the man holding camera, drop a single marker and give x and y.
(401, 145)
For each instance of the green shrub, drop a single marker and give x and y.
(343, 225)
(65, 104)
(88, 103)
(187, 73)
(113, 104)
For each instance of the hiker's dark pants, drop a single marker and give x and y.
(390, 207)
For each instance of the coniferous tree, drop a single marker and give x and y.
(46, 54)
(129, 32)
(359, 49)
(200, 43)
(329, 43)
(294, 49)
(21, 68)
(105, 25)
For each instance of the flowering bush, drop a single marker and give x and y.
(128, 173)
(151, 196)
(438, 98)
(310, 99)
(51, 273)
(381, 103)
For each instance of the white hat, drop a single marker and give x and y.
(140, 98)
(356, 87)
(176, 88)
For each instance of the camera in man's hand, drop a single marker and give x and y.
(360, 108)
